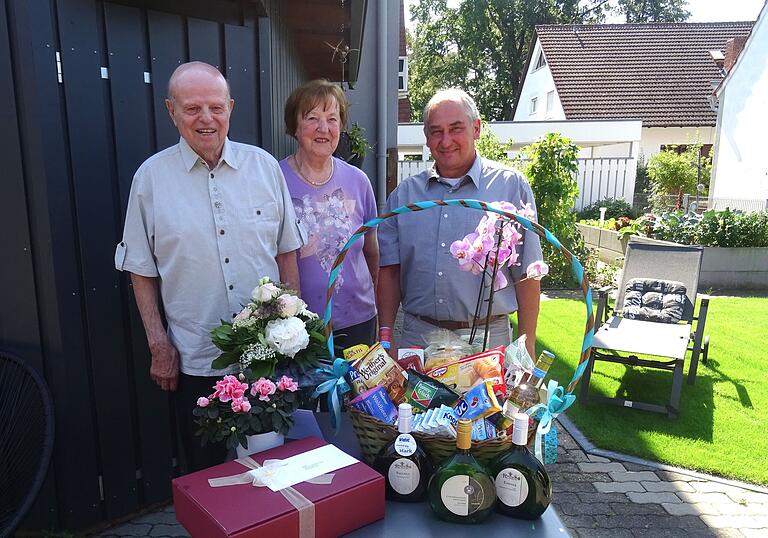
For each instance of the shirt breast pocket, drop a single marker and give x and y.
(259, 214)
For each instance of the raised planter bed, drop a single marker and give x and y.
(721, 268)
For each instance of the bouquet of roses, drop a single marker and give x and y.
(274, 331)
(238, 408)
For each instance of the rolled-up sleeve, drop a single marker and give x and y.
(135, 252)
(289, 236)
(389, 240)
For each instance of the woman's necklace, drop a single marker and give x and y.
(306, 179)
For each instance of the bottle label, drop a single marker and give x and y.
(405, 444)
(538, 372)
(511, 487)
(403, 476)
(462, 495)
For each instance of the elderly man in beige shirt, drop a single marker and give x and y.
(206, 219)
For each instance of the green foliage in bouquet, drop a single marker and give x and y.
(238, 408)
(274, 330)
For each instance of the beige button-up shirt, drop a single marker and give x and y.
(209, 235)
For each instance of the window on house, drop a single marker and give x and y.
(402, 74)
(550, 101)
(533, 107)
(540, 61)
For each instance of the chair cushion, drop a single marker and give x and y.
(654, 300)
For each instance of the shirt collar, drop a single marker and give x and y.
(190, 158)
(473, 173)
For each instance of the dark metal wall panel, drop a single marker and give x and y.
(94, 197)
(242, 73)
(168, 49)
(204, 40)
(132, 119)
(265, 85)
(55, 248)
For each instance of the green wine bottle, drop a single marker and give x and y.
(405, 465)
(461, 490)
(522, 484)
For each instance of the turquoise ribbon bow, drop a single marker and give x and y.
(557, 402)
(334, 387)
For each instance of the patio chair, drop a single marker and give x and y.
(26, 439)
(621, 339)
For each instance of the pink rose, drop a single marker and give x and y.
(263, 388)
(202, 401)
(287, 383)
(241, 405)
(229, 388)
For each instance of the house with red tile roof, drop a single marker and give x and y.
(659, 73)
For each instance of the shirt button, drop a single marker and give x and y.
(221, 232)
(440, 301)
(211, 175)
(445, 215)
(226, 260)
(217, 205)
(439, 273)
(442, 244)
(231, 287)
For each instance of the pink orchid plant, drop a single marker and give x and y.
(238, 408)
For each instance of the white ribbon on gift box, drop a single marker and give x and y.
(304, 507)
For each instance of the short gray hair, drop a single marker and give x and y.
(453, 94)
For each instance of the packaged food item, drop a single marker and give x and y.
(423, 392)
(378, 368)
(411, 357)
(439, 422)
(377, 403)
(466, 372)
(483, 429)
(444, 347)
(355, 352)
(478, 402)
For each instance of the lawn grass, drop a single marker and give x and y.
(723, 417)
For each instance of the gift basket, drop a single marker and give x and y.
(376, 428)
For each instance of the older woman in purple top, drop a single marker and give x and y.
(332, 199)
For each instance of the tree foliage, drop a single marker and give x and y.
(675, 173)
(481, 46)
(653, 10)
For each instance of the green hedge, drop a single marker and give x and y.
(711, 229)
(615, 208)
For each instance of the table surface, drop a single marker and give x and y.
(415, 520)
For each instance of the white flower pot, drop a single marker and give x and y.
(260, 442)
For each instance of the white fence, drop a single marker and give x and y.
(740, 204)
(597, 178)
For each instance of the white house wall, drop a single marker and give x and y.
(740, 168)
(653, 138)
(537, 83)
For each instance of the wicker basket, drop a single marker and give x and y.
(372, 434)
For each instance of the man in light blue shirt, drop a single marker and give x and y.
(417, 268)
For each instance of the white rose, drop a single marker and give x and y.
(265, 292)
(289, 305)
(287, 336)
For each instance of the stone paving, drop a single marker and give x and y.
(598, 496)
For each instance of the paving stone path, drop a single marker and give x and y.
(598, 496)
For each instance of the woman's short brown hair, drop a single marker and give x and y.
(308, 96)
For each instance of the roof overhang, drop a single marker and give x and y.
(328, 36)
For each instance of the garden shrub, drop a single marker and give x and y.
(712, 229)
(615, 208)
(551, 167)
(675, 173)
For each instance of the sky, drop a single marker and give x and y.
(701, 10)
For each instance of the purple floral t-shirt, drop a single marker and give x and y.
(328, 216)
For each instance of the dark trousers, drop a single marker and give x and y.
(362, 333)
(193, 454)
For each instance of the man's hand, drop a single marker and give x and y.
(165, 365)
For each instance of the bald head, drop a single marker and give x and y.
(193, 73)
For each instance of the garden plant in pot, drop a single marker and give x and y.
(353, 147)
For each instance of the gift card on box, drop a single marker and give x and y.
(327, 506)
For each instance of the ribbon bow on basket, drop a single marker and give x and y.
(557, 402)
(335, 387)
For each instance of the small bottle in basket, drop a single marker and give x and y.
(522, 484)
(405, 465)
(526, 394)
(461, 490)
